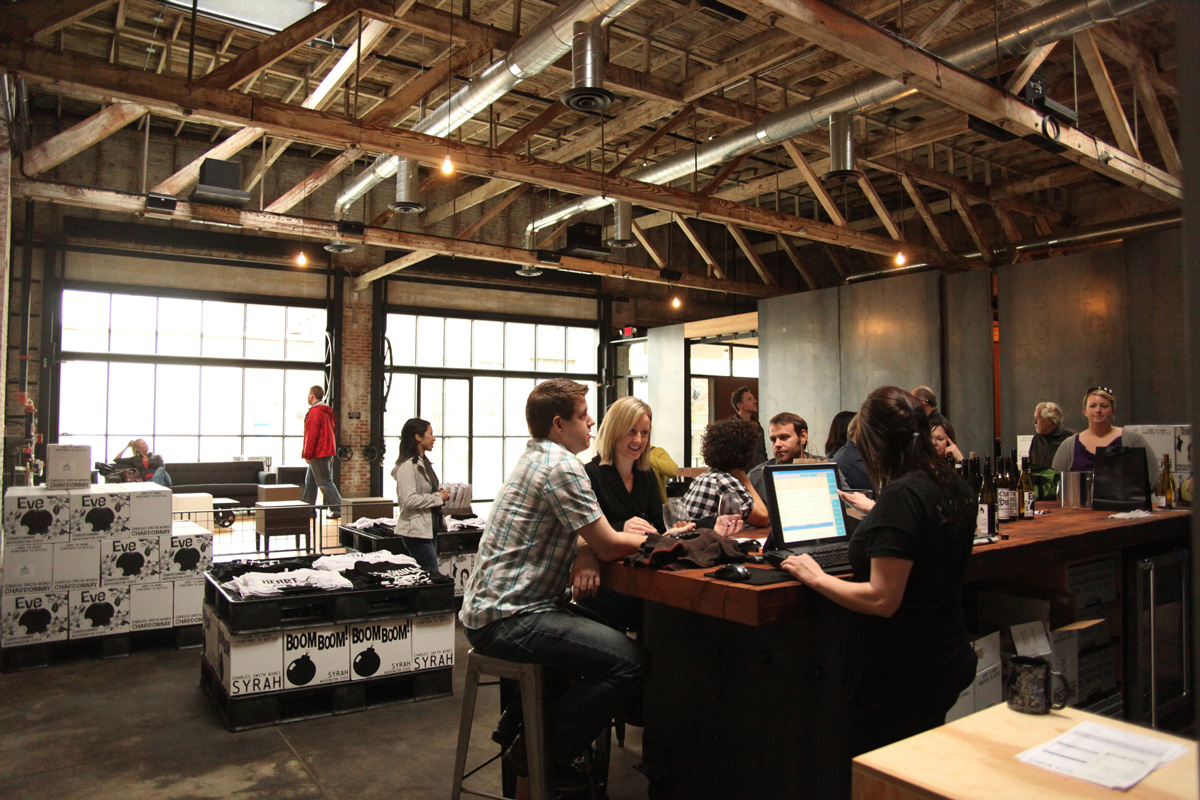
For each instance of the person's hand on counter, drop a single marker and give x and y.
(638, 525)
(585, 573)
(804, 569)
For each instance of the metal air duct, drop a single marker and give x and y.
(622, 229)
(1038, 26)
(537, 50)
(587, 92)
(841, 149)
(406, 201)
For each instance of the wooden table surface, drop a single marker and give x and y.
(974, 758)
(1057, 537)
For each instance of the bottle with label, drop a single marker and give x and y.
(1004, 492)
(1026, 492)
(1165, 496)
(985, 520)
(976, 479)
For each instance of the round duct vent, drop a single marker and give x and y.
(529, 272)
(621, 242)
(338, 246)
(587, 98)
(407, 206)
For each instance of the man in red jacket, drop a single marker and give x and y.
(320, 443)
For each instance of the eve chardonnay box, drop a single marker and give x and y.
(35, 514)
(99, 612)
(99, 512)
(33, 618)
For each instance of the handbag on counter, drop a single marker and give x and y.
(1121, 479)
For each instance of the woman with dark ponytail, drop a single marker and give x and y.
(419, 517)
(910, 655)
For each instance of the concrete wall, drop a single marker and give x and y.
(968, 383)
(1155, 319)
(800, 371)
(666, 355)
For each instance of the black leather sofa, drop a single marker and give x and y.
(238, 480)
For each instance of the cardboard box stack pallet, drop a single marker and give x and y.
(273, 659)
(97, 561)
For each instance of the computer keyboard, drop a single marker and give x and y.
(831, 557)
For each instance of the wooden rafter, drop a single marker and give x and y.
(491, 213)
(814, 182)
(714, 269)
(1033, 59)
(70, 75)
(37, 18)
(832, 28)
(78, 138)
(1158, 122)
(794, 256)
(738, 68)
(650, 249)
(400, 103)
(1093, 62)
(972, 224)
(922, 207)
(739, 236)
(727, 169)
(320, 230)
(876, 202)
(651, 140)
(275, 47)
(365, 280)
(319, 178)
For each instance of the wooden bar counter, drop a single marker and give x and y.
(974, 758)
(745, 696)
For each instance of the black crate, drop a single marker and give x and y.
(255, 614)
(366, 542)
(117, 645)
(290, 705)
(458, 542)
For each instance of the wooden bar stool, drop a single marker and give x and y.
(529, 677)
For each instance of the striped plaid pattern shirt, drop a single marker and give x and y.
(528, 546)
(703, 497)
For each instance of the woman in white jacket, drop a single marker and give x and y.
(419, 517)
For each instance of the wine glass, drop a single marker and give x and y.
(729, 509)
(673, 512)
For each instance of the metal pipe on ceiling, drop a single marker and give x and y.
(1035, 27)
(537, 50)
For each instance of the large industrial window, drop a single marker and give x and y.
(469, 378)
(199, 380)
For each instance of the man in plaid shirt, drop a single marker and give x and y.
(512, 604)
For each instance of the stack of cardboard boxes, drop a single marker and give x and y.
(96, 560)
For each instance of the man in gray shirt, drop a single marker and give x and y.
(789, 441)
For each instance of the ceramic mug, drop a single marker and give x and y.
(1029, 689)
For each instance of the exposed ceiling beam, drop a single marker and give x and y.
(922, 207)
(365, 280)
(713, 267)
(275, 47)
(814, 182)
(77, 138)
(794, 256)
(34, 19)
(832, 28)
(61, 73)
(322, 230)
(877, 203)
(1093, 62)
(315, 181)
(402, 101)
(1033, 59)
(739, 236)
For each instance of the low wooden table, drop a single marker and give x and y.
(974, 758)
(279, 491)
(282, 518)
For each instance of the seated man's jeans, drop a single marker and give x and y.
(608, 666)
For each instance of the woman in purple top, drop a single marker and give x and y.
(1078, 453)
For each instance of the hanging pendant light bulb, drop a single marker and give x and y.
(447, 165)
(675, 302)
(900, 259)
(301, 259)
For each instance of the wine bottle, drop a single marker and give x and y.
(1025, 491)
(985, 520)
(1004, 492)
(976, 476)
(1165, 497)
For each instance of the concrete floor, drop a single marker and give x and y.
(141, 727)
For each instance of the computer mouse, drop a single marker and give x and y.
(732, 572)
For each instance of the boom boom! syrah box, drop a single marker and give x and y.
(380, 647)
(433, 641)
(250, 663)
(315, 656)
